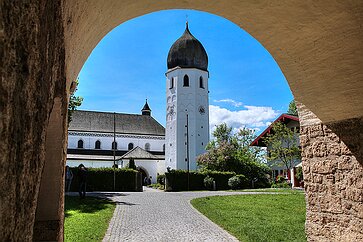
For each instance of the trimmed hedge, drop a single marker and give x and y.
(101, 179)
(177, 180)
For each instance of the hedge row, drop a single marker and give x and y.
(177, 180)
(102, 179)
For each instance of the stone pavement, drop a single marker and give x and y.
(162, 216)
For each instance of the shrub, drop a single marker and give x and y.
(102, 179)
(281, 185)
(236, 182)
(177, 180)
(160, 179)
(131, 164)
(208, 182)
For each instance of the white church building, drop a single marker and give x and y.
(102, 139)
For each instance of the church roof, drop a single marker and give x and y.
(187, 52)
(91, 121)
(146, 107)
(139, 153)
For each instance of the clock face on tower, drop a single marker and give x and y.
(201, 110)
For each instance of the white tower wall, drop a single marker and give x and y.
(183, 100)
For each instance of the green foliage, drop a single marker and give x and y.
(281, 185)
(208, 182)
(283, 145)
(262, 217)
(292, 108)
(299, 173)
(74, 103)
(86, 219)
(237, 182)
(131, 164)
(233, 153)
(160, 179)
(101, 179)
(177, 180)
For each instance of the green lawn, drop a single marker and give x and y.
(262, 217)
(280, 190)
(86, 219)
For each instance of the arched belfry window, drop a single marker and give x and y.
(201, 84)
(130, 146)
(147, 146)
(172, 83)
(186, 81)
(98, 144)
(80, 144)
(114, 145)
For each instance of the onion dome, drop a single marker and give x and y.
(187, 52)
(146, 109)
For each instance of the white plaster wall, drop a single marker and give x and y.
(89, 163)
(186, 100)
(89, 140)
(151, 166)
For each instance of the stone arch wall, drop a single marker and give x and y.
(317, 44)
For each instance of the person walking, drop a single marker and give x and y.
(69, 177)
(82, 178)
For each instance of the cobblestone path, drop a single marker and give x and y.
(162, 216)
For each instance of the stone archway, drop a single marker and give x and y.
(318, 46)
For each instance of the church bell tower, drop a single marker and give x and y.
(187, 114)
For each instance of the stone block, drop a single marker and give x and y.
(319, 149)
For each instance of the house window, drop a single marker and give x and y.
(98, 144)
(186, 81)
(114, 145)
(171, 83)
(130, 146)
(80, 144)
(201, 82)
(147, 146)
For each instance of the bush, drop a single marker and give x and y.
(208, 182)
(237, 182)
(177, 180)
(160, 179)
(102, 179)
(281, 185)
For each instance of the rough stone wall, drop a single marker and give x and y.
(333, 175)
(32, 74)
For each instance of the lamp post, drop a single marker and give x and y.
(187, 147)
(114, 151)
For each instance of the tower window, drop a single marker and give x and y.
(186, 81)
(98, 144)
(80, 144)
(147, 146)
(163, 147)
(201, 85)
(130, 146)
(172, 83)
(114, 145)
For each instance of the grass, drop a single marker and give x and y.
(279, 190)
(262, 217)
(86, 219)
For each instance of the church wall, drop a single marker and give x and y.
(187, 100)
(156, 142)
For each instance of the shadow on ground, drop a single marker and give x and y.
(86, 205)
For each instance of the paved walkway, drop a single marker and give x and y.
(162, 216)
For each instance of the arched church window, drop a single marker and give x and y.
(98, 144)
(201, 85)
(172, 83)
(114, 145)
(186, 81)
(80, 144)
(147, 146)
(130, 146)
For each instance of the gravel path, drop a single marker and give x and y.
(162, 216)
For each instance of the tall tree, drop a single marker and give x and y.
(283, 145)
(74, 103)
(292, 108)
(232, 152)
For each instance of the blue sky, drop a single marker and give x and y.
(247, 87)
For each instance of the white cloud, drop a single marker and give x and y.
(231, 101)
(252, 117)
